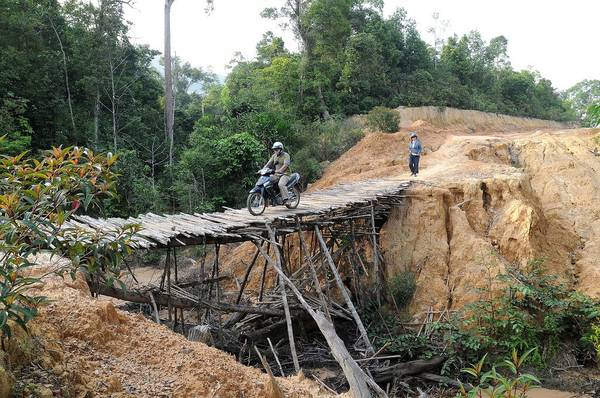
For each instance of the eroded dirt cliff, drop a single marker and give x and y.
(485, 197)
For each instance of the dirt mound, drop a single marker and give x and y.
(474, 121)
(94, 348)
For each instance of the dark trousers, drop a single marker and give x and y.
(413, 163)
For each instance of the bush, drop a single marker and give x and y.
(534, 310)
(494, 384)
(402, 288)
(383, 119)
(592, 118)
(37, 197)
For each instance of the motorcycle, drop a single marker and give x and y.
(266, 192)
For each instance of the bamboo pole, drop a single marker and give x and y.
(168, 265)
(263, 276)
(288, 316)
(313, 271)
(338, 279)
(276, 357)
(358, 380)
(246, 275)
(377, 271)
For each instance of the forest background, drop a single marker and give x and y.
(70, 75)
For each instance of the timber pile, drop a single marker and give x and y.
(345, 201)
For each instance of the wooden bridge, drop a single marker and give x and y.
(339, 252)
(342, 202)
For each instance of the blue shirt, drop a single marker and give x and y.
(415, 148)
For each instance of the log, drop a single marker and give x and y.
(411, 368)
(338, 279)
(135, 296)
(444, 380)
(358, 380)
(246, 275)
(288, 317)
(156, 317)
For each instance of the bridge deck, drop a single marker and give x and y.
(339, 203)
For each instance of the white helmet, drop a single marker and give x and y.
(277, 145)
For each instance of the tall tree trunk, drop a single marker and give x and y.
(64, 57)
(169, 99)
(113, 102)
(97, 121)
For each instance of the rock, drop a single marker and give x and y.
(43, 392)
(114, 384)
(109, 313)
(7, 382)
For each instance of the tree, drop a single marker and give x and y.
(169, 99)
(582, 95)
(438, 30)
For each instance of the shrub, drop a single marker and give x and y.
(534, 310)
(383, 119)
(37, 197)
(494, 384)
(592, 118)
(402, 287)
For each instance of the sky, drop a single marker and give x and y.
(557, 38)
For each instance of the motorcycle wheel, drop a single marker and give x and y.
(294, 201)
(256, 204)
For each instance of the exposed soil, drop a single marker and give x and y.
(484, 199)
(94, 349)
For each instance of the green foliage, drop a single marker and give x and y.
(383, 119)
(14, 126)
(581, 96)
(494, 384)
(214, 172)
(136, 191)
(37, 197)
(593, 337)
(533, 310)
(402, 287)
(386, 331)
(592, 117)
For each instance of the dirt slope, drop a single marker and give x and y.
(486, 197)
(89, 348)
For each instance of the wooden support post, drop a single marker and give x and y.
(156, 317)
(263, 276)
(175, 260)
(288, 316)
(354, 251)
(217, 247)
(358, 380)
(213, 275)
(338, 279)
(304, 253)
(201, 290)
(168, 265)
(376, 270)
(246, 275)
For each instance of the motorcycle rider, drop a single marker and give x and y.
(280, 161)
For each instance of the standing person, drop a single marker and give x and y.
(414, 151)
(280, 161)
